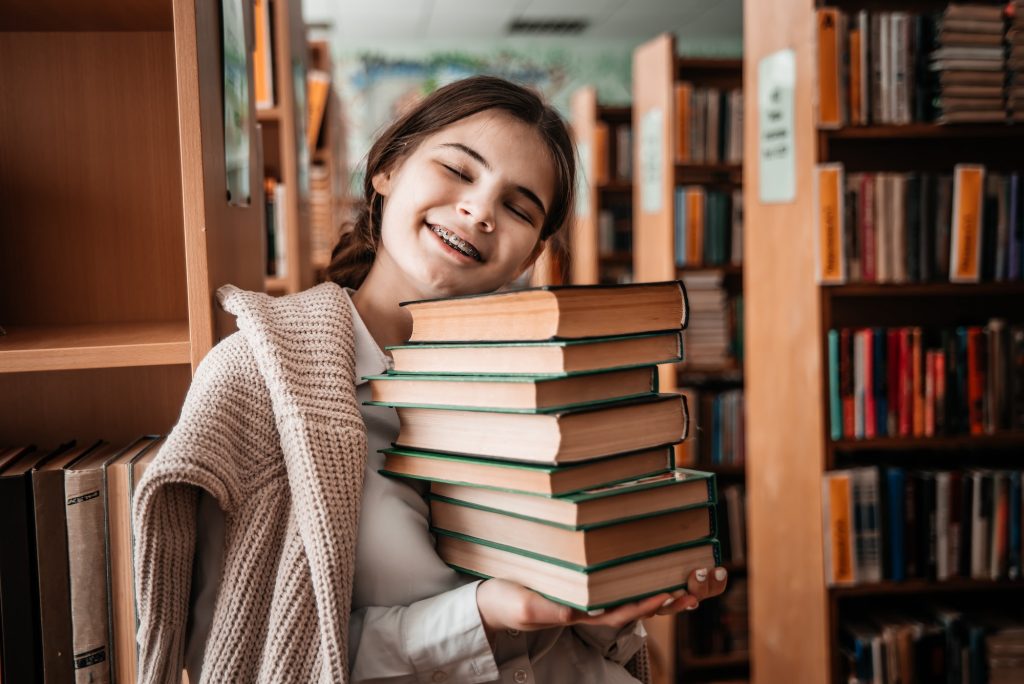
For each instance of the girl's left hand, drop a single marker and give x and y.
(701, 584)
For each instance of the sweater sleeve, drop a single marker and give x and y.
(440, 638)
(205, 439)
(616, 644)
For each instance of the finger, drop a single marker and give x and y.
(626, 613)
(541, 612)
(697, 583)
(717, 581)
(685, 602)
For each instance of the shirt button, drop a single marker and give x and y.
(520, 676)
(512, 632)
(439, 676)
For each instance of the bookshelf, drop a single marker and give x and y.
(114, 226)
(286, 156)
(657, 69)
(596, 259)
(788, 316)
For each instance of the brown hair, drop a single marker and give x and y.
(353, 255)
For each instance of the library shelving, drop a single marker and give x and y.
(660, 170)
(787, 318)
(601, 243)
(115, 228)
(286, 157)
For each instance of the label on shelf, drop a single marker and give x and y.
(652, 151)
(776, 81)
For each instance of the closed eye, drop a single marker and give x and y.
(458, 173)
(520, 213)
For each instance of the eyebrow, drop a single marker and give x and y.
(524, 191)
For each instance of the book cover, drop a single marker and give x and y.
(829, 210)
(830, 59)
(880, 382)
(837, 499)
(968, 201)
(835, 406)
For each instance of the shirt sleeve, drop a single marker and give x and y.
(438, 639)
(614, 644)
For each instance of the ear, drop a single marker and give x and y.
(538, 249)
(382, 183)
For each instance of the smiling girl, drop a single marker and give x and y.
(270, 548)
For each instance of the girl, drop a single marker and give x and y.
(269, 547)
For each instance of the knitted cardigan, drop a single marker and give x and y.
(272, 430)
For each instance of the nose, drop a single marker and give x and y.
(477, 209)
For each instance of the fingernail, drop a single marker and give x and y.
(667, 602)
(595, 613)
(693, 607)
(702, 574)
(720, 574)
(678, 593)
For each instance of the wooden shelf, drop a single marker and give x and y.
(275, 285)
(617, 258)
(919, 586)
(1015, 288)
(94, 345)
(689, 375)
(700, 174)
(727, 270)
(615, 187)
(1002, 440)
(926, 130)
(709, 63)
(55, 15)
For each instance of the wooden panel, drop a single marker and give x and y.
(90, 189)
(223, 243)
(783, 372)
(104, 345)
(88, 15)
(49, 408)
(585, 267)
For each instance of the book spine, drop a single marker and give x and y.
(892, 367)
(19, 619)
(906, 397)
(684, 100)
(1016, 221)
(929, 392)
(1000, 532)
(835, 406)
(855, 87)
(966, 523)
(829, 184)
(867, 217)
(1013, 570)
(979, 526)
(870, 415)
(881, 383)
(929, 526)
(87, 556)
(1016, 376)
(968, 200)
(830, 115)
(51, 544)
(956, 517)
(839, 533)
(895, 508)
(871, 518)
(846, 391)
(858, 385)
(975, 381)
(911, 525)
(917, 359)
(939, 412)
(942, 525)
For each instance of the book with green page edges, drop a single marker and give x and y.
(535, 478)
(513, 392)
(554, 357)
(676, 490)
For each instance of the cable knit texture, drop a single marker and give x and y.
(271, 429)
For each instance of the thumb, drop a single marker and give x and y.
(542, 611)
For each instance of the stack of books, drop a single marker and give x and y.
(1015, 63)
(536, 416)
(710, 341)
(971, 65)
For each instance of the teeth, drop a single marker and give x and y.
(456, 242)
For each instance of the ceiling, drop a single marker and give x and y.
(474, 21)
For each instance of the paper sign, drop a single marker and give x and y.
(652, 151)
(776, 81)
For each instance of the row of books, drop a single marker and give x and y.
(535, 415)
(708, 226)
(919, 227)
(67, 581)
(714, 337)
(901, 67)
(732, 523)
(709, 125)
(896, 524)
(911, 382)
(937, 642)
(263, 55)
(721, 626)
(718, 436)
(613, 153)
(276, 208)
(615, 228)
(324, 232)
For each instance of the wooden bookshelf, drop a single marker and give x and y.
(590, 264)
(787, 318)
(286, 156)
(656, 69)
(114, 223)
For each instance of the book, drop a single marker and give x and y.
(552, 312)
(512, 392)
(85, 498)
(529, 478)
(965, 257)
(583, 588)
(829, 211)
(120, 472)
(318, 86)
(51, 549)
(19, 607)
(559, 357)
(838, 512)
(263, 55)
(557, 437)
(675, 490)
(830, 34)
(584, 547)
(684, 97)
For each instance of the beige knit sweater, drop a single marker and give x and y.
(271, 428)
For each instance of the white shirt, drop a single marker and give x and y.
(414, 619)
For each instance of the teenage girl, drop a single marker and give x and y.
(269, 547)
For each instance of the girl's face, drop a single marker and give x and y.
(463, 212)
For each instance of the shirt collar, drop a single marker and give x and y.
(370, 358)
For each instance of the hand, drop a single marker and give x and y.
(507, 605)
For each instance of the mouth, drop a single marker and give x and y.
(461, 246)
